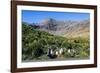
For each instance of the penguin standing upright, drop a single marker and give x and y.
(51, 54)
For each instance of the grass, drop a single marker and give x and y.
(35, 44)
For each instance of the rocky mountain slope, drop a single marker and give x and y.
(66, 28)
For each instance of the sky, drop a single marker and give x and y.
(31, 16)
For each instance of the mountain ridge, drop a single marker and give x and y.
(68, 28)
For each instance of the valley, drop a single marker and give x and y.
(51, 39)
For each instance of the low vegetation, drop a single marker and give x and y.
(35, 45)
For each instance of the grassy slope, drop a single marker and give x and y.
(35, 44)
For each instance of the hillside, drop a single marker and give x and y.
(66, 28)
(35, 44)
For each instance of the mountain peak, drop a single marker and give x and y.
(66, 28)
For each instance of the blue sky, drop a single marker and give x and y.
(31, 16)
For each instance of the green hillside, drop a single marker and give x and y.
(35, 44)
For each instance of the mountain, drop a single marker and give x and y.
(68, 28)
